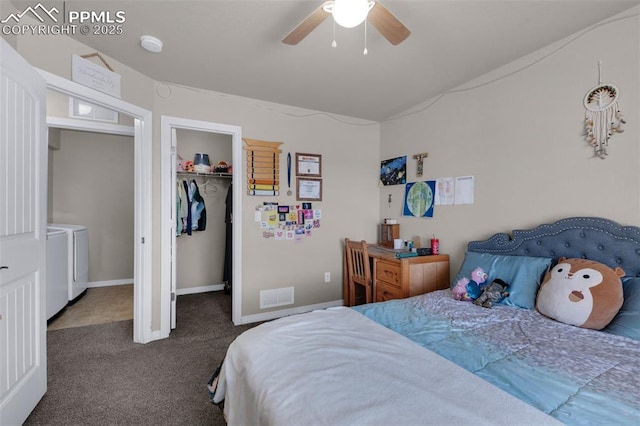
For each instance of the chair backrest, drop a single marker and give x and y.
(358, 267)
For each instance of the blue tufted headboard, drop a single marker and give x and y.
(592, 238)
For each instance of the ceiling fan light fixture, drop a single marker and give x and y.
(349, 13)
(372, 11)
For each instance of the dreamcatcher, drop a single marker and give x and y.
(602, 117)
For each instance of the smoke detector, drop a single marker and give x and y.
(151, 43)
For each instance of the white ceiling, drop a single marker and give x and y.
(235, 47)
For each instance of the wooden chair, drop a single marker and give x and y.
(358, 270)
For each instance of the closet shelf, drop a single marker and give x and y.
(208, 175)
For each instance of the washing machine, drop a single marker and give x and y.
(57, 271)
(78, 260)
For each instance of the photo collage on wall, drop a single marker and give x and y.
(290, 222)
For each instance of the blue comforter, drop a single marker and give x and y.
(576, 375)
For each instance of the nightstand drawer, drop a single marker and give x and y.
(389, 272)
(384, 291)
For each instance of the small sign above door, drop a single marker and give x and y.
(94, 76)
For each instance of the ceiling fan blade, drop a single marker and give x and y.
(387, 24)
(305, 27)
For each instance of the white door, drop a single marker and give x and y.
(23, 235)
(174, 226)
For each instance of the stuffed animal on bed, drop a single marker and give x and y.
(493, 293)
(469, 289)
(581, 292)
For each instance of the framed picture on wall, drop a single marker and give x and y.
(308, 165)
(309, 189)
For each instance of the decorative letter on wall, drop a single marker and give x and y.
(420, 158)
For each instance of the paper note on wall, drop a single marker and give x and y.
(445, 195)
(272, 218)
(464, 189)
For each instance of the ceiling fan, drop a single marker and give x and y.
(350, 13)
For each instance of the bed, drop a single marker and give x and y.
(432, 359)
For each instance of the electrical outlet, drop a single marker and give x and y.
(327, 277)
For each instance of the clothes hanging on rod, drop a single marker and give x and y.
(228, 244)
(188, 223)
(184, 206)
(179, 211)
(192, 212)
(200, 211)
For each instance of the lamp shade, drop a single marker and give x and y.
(351, 13)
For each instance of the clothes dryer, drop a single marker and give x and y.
(78, 261)
(57, 271)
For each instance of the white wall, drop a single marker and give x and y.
(53, 53)
(349, 149)
(520, 134)
(350, 193)
(92, 184)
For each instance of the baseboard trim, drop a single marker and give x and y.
(267, 316)
(154, 335)
(109, 283)
(203, 289)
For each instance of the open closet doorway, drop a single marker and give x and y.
(91, 185)
(142, 293)
(200, 137)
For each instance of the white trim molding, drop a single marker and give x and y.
(95, 126)
(167, 242)
(143, 123)
(109, 283)
(268, 316)
(197, 290)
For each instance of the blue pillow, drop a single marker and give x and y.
(627, 322)
(523, 274)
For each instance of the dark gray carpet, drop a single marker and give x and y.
(98, 376)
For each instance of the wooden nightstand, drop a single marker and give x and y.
(395, 278)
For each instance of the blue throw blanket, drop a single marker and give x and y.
(576, 375)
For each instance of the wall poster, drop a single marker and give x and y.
(393, 171)
(419, 198)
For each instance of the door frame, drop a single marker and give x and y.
(143, 285)
(168, 240)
